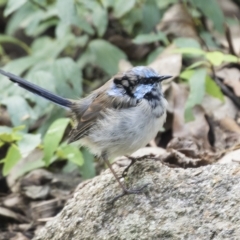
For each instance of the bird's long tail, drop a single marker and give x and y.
(38, 90)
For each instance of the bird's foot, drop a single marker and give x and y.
(133, 160)
(128, 192)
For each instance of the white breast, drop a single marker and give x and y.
(122, 132)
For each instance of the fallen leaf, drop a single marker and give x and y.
(230, 157)
(230, 124)
(175, 158)
(45, 209)
(168, 63)
(24, 163)
(231, 77)
(178, 22)
(218, 109)
(187, 146)
(198, 128)
(19, 236)
(124, 65)
(229, 8)
(157, 151)
(4, 212)
(37, 192)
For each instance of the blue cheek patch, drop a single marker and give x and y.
(141, 90)
(116, 92)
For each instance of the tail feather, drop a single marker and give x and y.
(38, 90)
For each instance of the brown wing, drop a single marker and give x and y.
(88, 117)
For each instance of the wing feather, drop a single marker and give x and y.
(89, 110)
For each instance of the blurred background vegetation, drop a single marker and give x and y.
(71, 47)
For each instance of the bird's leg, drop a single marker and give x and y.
(104, 157)
(125, 190)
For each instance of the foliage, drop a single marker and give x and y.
(199, 82)
(22, 144)
(65, 43)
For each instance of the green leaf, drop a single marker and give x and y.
(29, 166)
(53, 137)
(107, 3)
(68, 78)
(18, 19)
(20, 65)
(73, 154)
(28, 143)
(17, 67)
(70, 13)
(66, 11)
(10, 137)
(154, 54)
(3, 2)
(121, 9)
(186, 43)
(43, 26)
(70, 167)
(100, 19)
(197, 91)
(87, 169)
(45, 48)
(149, 38)
(13, 156)
(230, 58)
(131, 19)
(213, 89)
(149, 8)
(32, 22)
(96, 54)
(55, 114)
(13, 5)
(19, 110)
(197, 64)
(45, 80)
(62, 29)
(187, 74)
(164, 3)
(18, 128)
(215, 58)
(208, 39)
(83, 24)
(212, 11)
(9, 39)
(190, 50)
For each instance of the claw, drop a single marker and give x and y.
(133, 160)
(128, 192)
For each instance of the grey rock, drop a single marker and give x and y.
(198, 203)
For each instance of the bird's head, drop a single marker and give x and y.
(137, 82)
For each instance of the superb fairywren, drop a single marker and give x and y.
(116, 119)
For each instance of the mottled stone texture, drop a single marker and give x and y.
(201, 203)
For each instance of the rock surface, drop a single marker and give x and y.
(200, 203)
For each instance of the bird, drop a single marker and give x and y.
(116, 119)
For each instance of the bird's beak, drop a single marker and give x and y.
(161, 78)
